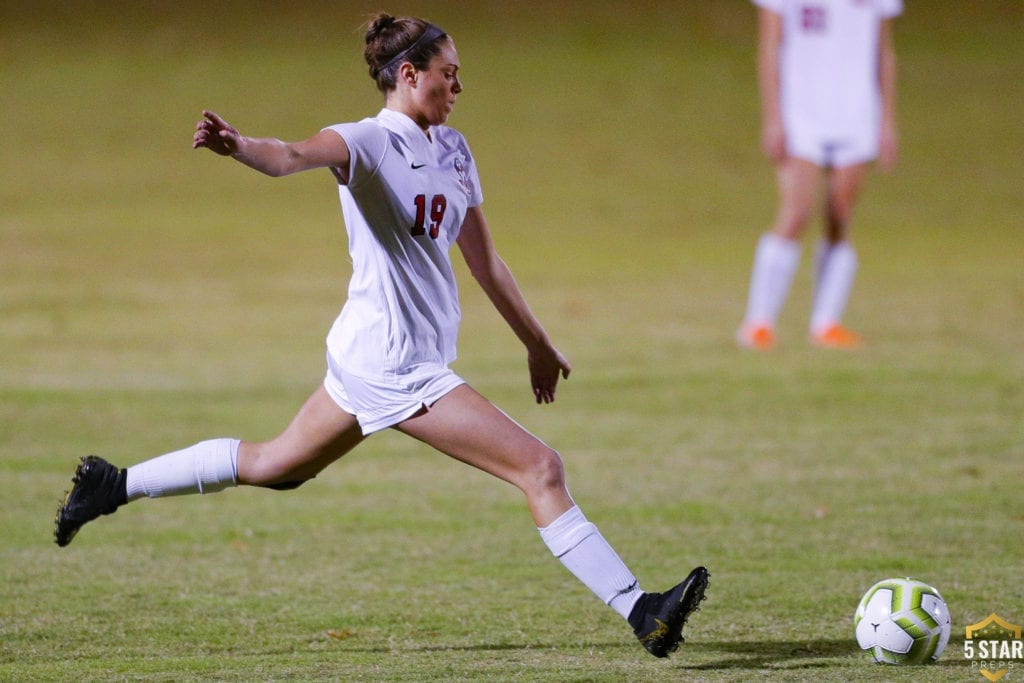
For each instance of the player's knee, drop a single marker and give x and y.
(260, 465)
(792, 226)
(835, 226)
(546, 470)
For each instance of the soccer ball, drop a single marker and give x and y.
(902, 621)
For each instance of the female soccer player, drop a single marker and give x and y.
(827, 74)
(409, 191)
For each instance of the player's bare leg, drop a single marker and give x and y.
(843, 190)
(836, 260)
(318, 435)
(466, 426)
(797, 184)
(778, 252)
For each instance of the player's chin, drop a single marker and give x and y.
(442, 115)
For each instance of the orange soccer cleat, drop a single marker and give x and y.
(757, 337)
(836, 337)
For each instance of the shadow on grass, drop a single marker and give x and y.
(762, 654)
(781, 654)
(748, 655)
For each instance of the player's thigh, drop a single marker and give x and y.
(844, 188)
(320, 433)
(845, 184)
(797, 183)
(466, 426)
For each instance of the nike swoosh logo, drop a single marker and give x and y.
(656, 633)
(417, 166)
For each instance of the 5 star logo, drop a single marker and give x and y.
(994, 646)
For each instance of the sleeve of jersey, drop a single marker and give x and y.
(366, 142)
(892, 8)
(476, 193)
(774, 5)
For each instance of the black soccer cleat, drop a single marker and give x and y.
(98, 488)
(658, 618)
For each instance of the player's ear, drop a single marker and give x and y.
(407, 74)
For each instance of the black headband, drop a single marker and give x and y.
(429, 35)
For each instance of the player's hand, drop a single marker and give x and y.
(546, 365)
(216, 134)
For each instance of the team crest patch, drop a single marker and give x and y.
(463, 173)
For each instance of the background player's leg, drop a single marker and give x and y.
(777, 256)
(836, 259)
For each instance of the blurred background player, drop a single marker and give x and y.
(409, 192)
(827, 77)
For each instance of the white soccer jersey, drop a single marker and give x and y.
(404, 202)
(829, 66)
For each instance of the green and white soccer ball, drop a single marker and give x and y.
(902, 621)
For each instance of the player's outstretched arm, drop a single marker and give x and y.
(270, 155)
(546, 363)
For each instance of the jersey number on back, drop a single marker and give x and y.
(438, 205)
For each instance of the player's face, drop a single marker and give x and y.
(438, 86)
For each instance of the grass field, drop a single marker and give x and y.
(152, 296)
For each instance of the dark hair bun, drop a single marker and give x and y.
(389, 38)
(379, 24)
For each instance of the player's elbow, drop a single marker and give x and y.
(490, 270)
(484, 272)
(287, 161)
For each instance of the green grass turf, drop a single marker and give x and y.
(152, 296)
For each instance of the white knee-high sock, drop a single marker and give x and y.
(206, 467)
(775, 263)
(585, 552)
(835, 269)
